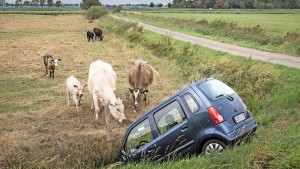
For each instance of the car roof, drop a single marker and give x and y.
(166, 100)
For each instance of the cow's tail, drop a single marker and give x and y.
(158, 77)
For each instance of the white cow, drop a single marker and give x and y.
(102, 84)
(74, 90)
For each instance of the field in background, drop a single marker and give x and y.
(261, 29)
(42, 11)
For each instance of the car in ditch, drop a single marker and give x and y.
(204, 117)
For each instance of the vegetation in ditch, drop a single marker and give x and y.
(263, 87)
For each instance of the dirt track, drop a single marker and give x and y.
(290, 61)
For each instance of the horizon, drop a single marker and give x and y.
(107, 2)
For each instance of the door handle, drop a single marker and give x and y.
(184, 128)
(151, 149)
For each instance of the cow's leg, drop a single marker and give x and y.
(145, 98)
(46, 71)
(76, 102)
(95, 101)
(107, 121)
(68, 96)
(53, 73)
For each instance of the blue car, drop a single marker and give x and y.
(205, 117)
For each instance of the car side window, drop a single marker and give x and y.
(191, 103)
(139, 136)
(168, 117)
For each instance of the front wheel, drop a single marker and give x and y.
(213, 146)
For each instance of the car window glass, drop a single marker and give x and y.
(215, 89)
(139, 136)
(191, 103)
(168, 117)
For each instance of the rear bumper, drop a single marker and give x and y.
(243, 131)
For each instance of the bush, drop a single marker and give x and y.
(96, 12)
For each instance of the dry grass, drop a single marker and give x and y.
(37, 128)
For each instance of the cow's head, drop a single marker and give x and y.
(101, 38)
(117, 110)
(80, 90)
(136, 95)
(55, 61)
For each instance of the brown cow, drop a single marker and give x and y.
(140, 78)
(50, 64)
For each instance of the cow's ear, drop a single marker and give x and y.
(59, 59)
(144, 91)
(131, 90)
(75, 86)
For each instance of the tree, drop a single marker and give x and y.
(2, 2)
(18, 2)
(160, 5)
(34, 2)
(58, 4)
(26, 3)
(169, 5)
(50, 2)
(42, 2)
(151, 5)
(86, 4)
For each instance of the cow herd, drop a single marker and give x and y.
(97, 33)
(101, 84)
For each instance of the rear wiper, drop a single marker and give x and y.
(230, 98)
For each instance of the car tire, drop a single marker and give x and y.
(213, 146)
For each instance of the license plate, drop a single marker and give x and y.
(239, 118)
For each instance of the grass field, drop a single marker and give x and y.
(241, 28)
(38, 130)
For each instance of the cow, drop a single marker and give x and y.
(140, 78)
(102, 81)
(90, 36)
(74, 90)
(98, 34)
(50, 64)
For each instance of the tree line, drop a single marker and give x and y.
(237, 4)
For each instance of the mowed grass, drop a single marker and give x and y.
(37, 128)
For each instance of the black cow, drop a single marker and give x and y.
(90, 35)
(98, 33)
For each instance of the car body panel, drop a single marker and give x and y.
(194, 124)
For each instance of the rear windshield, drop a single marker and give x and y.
(215, 89)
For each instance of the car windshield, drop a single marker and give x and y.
(215, 89)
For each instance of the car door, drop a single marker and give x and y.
(139, 137)
(175, 135)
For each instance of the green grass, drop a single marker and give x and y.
(271, 93)
(273, 24)
(275, 33)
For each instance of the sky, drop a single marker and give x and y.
(111, 2)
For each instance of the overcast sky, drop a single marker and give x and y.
(117, 2)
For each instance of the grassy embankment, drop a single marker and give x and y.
(275, 32)
(270, 91)
(38, 129)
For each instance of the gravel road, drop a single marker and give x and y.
(290, 61)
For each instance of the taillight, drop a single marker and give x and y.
(215, 115)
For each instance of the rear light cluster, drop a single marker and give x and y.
(215, 115)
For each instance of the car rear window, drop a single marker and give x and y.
(215, 89)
